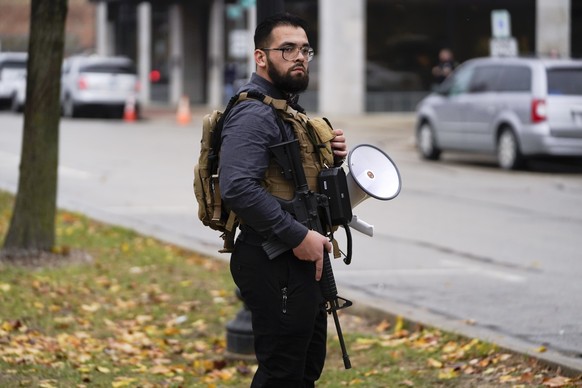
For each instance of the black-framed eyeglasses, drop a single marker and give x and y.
(290, 53)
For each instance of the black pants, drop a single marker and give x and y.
(288, 316)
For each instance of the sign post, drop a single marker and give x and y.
(502, 44)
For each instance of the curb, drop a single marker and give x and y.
(414, 317)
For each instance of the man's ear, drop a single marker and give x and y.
(260, 58)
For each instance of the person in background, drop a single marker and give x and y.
(444, 67)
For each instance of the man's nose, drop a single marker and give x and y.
(301, 56)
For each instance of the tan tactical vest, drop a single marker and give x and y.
(314, 136)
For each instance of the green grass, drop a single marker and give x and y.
(143, 313)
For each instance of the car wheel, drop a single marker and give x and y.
(509, 156)
(69, 109)
(14, 105)
(426, 142)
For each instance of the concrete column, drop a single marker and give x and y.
(553, 25)
(102, 28)
(144, 38)
(216, 55)
(251, 27)
(342, 56)
(176, 53)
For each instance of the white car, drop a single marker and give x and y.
(13, 79)
(103, 83)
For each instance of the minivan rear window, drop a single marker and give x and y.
(108, 68)
(565, 81)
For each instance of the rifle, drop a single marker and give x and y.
(308, 208)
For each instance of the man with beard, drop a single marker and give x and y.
(283, 293)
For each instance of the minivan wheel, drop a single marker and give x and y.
(508, 154)
(426, 142)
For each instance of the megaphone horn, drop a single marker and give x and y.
(371, 174)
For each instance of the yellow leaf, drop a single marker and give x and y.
(121, 382)
(541, 349)
(448, 374)
(91, 308)
(141, 319)
(434, 363)
(7, 326)
(508, 379)
(399, 325)
(5, 287)
(556, 382)
(450, 347)
(102, 369)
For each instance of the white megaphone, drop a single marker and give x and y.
(371, 174)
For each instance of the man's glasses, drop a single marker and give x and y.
(290, 53)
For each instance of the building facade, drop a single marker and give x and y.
(15, 18)
(371, 55)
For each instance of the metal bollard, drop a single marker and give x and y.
(239, 334)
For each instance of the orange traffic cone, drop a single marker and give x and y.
(184, 115)
(129, 112)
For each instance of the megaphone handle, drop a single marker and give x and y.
(361, 226)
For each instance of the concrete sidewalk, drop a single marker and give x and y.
(374, 120)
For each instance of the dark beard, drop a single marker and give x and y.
(286, 82)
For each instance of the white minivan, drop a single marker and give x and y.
(514, 108)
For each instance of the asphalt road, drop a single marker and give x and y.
(465, 246)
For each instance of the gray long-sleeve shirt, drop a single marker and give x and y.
(249, 129)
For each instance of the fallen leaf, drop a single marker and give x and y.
(556, 382)
(383, 326)
(399, 325)
(448, 374)
(91, 308)
(434, 363)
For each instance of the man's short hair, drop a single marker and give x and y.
(264, 29)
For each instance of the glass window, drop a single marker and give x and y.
(514, 79)
(12, 64)
(108, 68)
(484, 79)
(12, 69)
(566, 81)
(459, 83)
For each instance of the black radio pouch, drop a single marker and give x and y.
(333, 183)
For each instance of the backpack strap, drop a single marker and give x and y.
(216, 142)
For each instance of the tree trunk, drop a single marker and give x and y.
(32, 227)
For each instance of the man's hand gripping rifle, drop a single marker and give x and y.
(309, 208)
